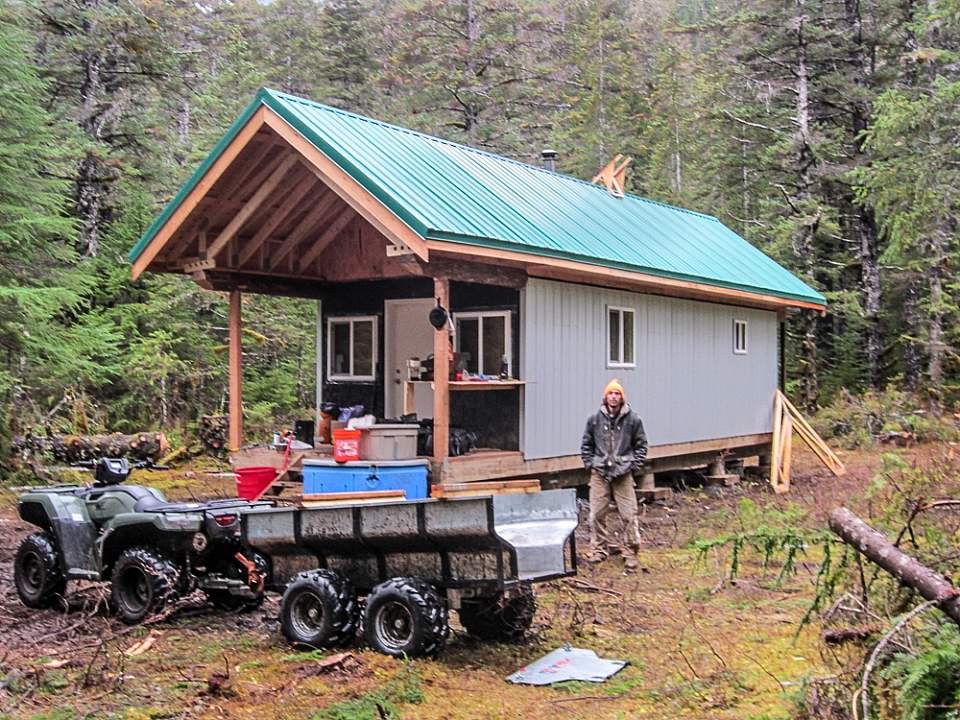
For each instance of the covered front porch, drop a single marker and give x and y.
(273, 215)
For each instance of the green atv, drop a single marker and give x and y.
(150, 550)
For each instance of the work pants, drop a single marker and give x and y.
(623, 492)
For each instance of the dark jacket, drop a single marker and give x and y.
(614, 445)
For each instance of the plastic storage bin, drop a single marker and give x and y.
(389, 442)
(328, 476)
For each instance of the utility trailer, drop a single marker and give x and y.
(411, 562)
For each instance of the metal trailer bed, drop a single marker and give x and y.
(477, 555)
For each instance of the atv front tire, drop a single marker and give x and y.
(406, 616)
(499, 618)
(36, 571)
(143, 581)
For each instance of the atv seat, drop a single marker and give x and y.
(149, 503)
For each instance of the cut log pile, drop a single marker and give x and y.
(213, 432)
(79, 448)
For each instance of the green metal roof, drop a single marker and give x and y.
(446, 191)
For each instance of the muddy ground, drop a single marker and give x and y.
(698, 645)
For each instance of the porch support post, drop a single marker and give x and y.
(236, 373)
(441, 380)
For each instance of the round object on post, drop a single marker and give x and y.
(438, 316)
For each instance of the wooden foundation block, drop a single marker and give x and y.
(650, 495)
(721, 480)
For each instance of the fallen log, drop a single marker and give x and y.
(875, 547)
(78, 448)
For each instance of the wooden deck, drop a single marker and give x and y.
(497, 464)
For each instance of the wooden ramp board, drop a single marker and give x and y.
(481, 488)
(372, 496)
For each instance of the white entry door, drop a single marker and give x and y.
(408, 334)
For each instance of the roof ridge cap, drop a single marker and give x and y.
(469, 148)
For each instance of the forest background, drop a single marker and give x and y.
(826, 132)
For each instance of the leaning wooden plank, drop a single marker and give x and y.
(834, 463)
(835, 466)
(775, 441)
(786, 437)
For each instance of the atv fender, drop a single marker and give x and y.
(65, 516)
(170, 533)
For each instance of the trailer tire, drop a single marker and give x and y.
(405, 616)
(500, 618)
(36, 571)
(319, 609)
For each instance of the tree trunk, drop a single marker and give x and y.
(809, 215)
(77, 448)
(89, 185)
(909, 571)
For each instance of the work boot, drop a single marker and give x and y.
(596, 557)
(630, 564)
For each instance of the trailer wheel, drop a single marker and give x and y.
(319, 609)
(405, 616)
(143, 581)
(503, 618)
(36, 571)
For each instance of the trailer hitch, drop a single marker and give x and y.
(254, 578)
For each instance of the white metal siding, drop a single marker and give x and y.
(688, 384)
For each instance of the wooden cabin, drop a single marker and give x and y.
(556, 283)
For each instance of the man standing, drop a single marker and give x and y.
(613, 448)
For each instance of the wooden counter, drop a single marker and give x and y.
(409, 386)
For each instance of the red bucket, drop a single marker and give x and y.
(251, 481)
(346, 445)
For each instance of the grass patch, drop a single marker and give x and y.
(385, 702)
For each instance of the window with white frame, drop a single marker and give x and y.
(352, 348)
(740, 337)
(483, 340)
(621, 343)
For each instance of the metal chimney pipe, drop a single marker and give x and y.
(549, 159)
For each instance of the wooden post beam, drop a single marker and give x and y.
(251, 206)
(236, 372)
(441, 377)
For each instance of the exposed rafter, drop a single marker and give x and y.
(328, 235)
(288, 206)
(252, 205)
(307, 225)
